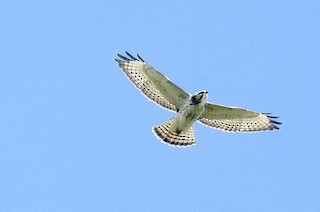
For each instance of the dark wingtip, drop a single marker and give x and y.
(123, 57)
(132, 57)
(275, 127)
(275, 122)
(140, 58)
(273, 117)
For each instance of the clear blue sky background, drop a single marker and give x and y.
(75, 135)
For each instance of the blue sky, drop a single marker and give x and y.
(76, 135)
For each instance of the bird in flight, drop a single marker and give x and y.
(178, 131)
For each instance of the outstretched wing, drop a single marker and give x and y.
(151, 83)
(236, 119)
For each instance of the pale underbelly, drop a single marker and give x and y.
(185, 118)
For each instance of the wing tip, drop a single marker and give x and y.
(123, 58)
(131, 58)
(140, 58)
(273, 123)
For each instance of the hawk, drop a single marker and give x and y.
(178, 131)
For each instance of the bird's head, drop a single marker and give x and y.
(200, 97)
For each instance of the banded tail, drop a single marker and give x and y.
(183, 139)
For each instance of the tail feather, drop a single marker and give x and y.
(183, 139)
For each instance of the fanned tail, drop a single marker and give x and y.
(182, 139)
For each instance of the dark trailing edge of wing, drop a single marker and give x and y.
(273, 121)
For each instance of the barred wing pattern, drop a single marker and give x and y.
(151, 83)
(234, 119)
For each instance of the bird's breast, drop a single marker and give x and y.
(187, 116)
